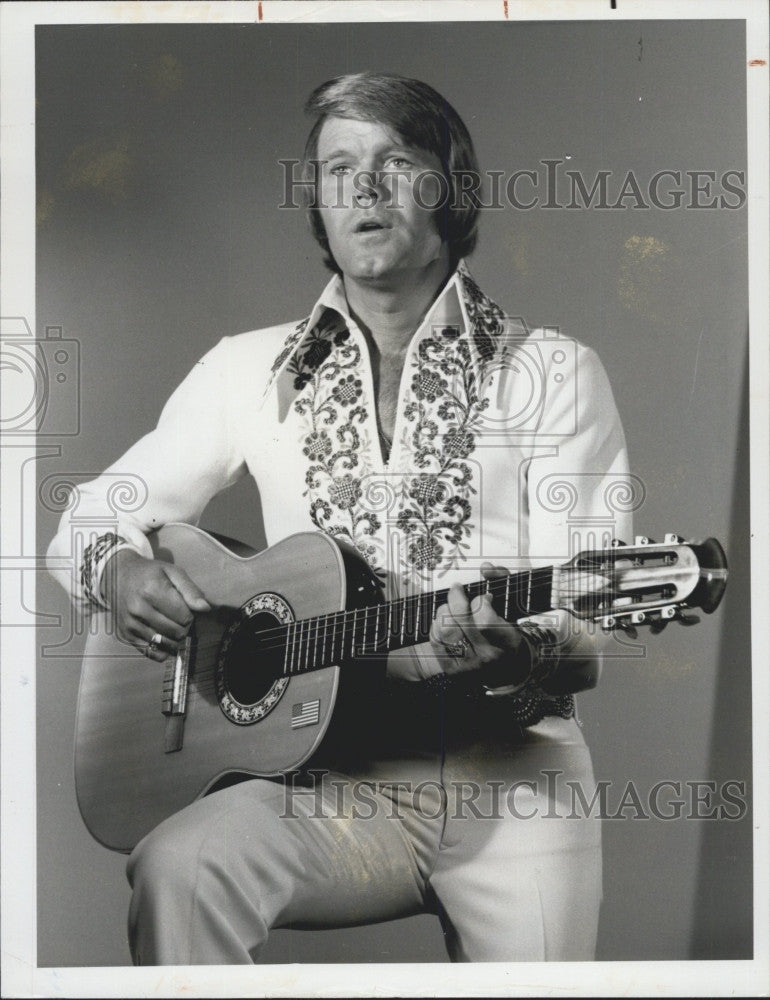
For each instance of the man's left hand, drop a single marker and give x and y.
(469, 635)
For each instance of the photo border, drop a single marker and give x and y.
(21, 976)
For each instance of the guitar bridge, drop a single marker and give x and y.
(174, 698)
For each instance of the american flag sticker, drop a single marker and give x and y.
(305, 713)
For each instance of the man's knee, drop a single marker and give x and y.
(170, 856)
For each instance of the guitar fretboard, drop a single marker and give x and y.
(314, 643)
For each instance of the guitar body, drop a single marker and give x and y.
(253, 689)
(127, 777)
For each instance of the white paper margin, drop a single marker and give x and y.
(21, 977)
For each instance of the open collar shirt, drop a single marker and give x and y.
(507, 448)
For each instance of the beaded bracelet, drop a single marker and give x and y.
(93, 555)
(544, 647)
(526, 706)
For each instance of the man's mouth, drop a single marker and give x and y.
(370, 226)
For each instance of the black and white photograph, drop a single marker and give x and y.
(385, 544)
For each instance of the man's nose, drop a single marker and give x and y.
(370, 188)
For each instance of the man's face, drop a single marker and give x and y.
(375, 227)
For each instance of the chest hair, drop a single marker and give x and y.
(386, 385)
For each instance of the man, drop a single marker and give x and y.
(407, 417)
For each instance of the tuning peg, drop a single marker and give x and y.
(617, 543)
(644, 540)
(628, 628)
(661, 618)
(688, 619)
(673, 539)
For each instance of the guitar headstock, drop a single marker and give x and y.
(647, 583)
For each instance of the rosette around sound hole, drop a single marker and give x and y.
(249, 676)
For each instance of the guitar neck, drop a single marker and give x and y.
(314, 643)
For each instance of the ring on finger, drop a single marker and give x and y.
(153, 646)
(457, 649)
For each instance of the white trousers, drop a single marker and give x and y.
(488, 838)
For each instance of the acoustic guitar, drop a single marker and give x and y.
(253, 688)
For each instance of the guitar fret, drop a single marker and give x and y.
(365, 632)
(353, 635)
(286, 653)
(301, 650)
(507, 595)
(290, 645)
(403, 619)
(377, 629)
(529, 592)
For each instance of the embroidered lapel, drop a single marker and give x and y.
(430, 501)
(443, 419)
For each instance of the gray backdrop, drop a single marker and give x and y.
(158, 232)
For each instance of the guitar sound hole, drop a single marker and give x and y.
(252, 664)
(249, 675)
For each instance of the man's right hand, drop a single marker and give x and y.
(149, 598)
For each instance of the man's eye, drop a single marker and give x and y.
(340, 169)
(400, 163)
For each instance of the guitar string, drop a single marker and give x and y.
(496, 588)
(345, 614)
(205, 681)
(336, 622)
(335, 625)
(344, 617)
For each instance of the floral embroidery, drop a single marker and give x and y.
(485, 315)
(428, 385)
(442, 422)
(317, 445)
(345, 491)
(290, 344)
(326, 372)
(348, 390)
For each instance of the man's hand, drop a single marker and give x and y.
(468, 636)
(148, 599)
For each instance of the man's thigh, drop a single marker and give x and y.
(328, 854)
